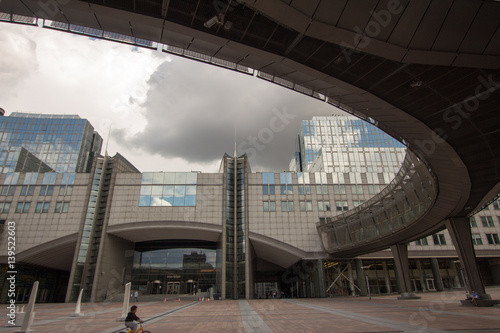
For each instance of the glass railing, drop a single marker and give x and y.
(403, 202)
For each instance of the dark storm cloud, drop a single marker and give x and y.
(192, 110)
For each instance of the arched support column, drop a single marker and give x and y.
(459, 229)
(423, 278)
(400, 254)
(361, 278)
(436, 272)
(387, 278)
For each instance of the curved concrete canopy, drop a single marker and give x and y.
(277, 252)
(155, 230)
(56, 254)
(424, 71)
(272, 250)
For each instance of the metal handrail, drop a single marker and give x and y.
(401, 203)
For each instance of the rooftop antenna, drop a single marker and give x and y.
(235, 154)
(107, 141)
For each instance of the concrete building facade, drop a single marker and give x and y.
(231, 234)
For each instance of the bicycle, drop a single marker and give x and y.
(139, 329)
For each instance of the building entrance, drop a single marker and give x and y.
(175, 267)
(155, 288)
(173, 288)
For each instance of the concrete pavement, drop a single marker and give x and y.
(434, 312)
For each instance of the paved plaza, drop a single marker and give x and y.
(434, 312)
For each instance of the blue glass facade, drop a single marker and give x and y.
(65, 143)
(168, 189)
(347, 145)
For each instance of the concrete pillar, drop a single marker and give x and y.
(387, 278)
(459, 229)
(351, 279)
(436, 272)
(361, 278)
(423, 278)
(400, 253)
(456, 277)
(321, 285)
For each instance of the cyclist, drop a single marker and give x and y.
(131, 318)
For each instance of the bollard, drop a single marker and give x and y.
(78, 306)
(30, 315)
(126, 302)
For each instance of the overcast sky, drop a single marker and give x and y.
(166, 113)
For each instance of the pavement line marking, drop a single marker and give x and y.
(252, 322)
(84, 314)
(421, 309)
(156, 317)
(369, 319)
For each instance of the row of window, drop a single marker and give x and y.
(491, 238)
(41, 207)
(30, 178)
(268, 189)
(29, 190)
(304, 178)
(167, 195)
(486, 221)
(439, 239)
(169, 178)
(307, 206)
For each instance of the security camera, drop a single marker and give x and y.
(415, 83)
(219, 20)
(228, 25)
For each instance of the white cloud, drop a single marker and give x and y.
(166, 113)
(18, 61)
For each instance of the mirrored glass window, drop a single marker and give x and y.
(147, 178)
(166, 189)
(49, 178)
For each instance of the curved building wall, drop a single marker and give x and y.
(288, 212)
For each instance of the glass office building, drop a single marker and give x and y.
(346, 145)
(41, 142)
